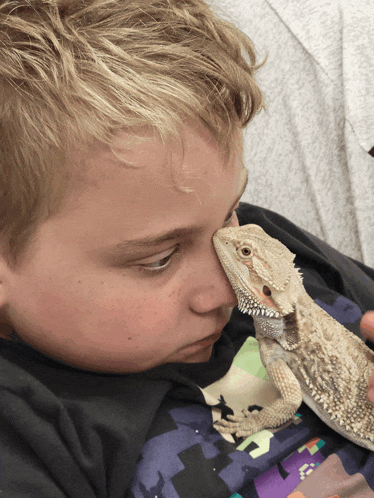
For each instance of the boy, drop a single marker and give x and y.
(120, 157)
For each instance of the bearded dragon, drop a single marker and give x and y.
(308, 355)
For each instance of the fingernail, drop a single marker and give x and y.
(370, 395)
(367, 321)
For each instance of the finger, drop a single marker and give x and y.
(370, 389)
(367, 325)
(226, 423)
(225, 430)
(235, 419)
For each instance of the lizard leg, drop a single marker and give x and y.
(273, 415)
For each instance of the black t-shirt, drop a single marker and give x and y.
(65, 432)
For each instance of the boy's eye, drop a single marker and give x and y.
(231, 216)
(158, 263)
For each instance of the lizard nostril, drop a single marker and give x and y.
(266, 290)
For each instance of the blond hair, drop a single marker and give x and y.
(87, 68)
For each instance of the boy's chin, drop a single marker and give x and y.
(199, 356)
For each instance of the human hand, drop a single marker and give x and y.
(367, 328)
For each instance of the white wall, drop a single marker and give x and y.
(307, 155)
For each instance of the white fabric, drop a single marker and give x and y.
(307, 155)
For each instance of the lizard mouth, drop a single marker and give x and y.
(249, 305)
(258, 310)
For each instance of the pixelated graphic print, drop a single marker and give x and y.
(284, 477)
(175, 462)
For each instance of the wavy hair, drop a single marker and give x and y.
(84, 69)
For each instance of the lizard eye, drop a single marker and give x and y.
(245, 251)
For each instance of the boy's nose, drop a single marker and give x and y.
(211, 288)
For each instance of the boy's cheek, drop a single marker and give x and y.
(96, 334)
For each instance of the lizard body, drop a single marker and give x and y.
(308, 355)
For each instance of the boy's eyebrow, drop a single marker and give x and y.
(145, 242)
(134, 244)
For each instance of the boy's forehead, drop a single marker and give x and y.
(91, 163)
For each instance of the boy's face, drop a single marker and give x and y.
(125, 276)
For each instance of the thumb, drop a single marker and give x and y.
(370, 389)
(367, 328)
(367, 325)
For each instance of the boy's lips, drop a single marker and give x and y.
(204, 343)
(211, 339)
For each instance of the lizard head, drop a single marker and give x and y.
(260, 269)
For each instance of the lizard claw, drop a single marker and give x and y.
(242, 426)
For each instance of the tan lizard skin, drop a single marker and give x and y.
(308, 355)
